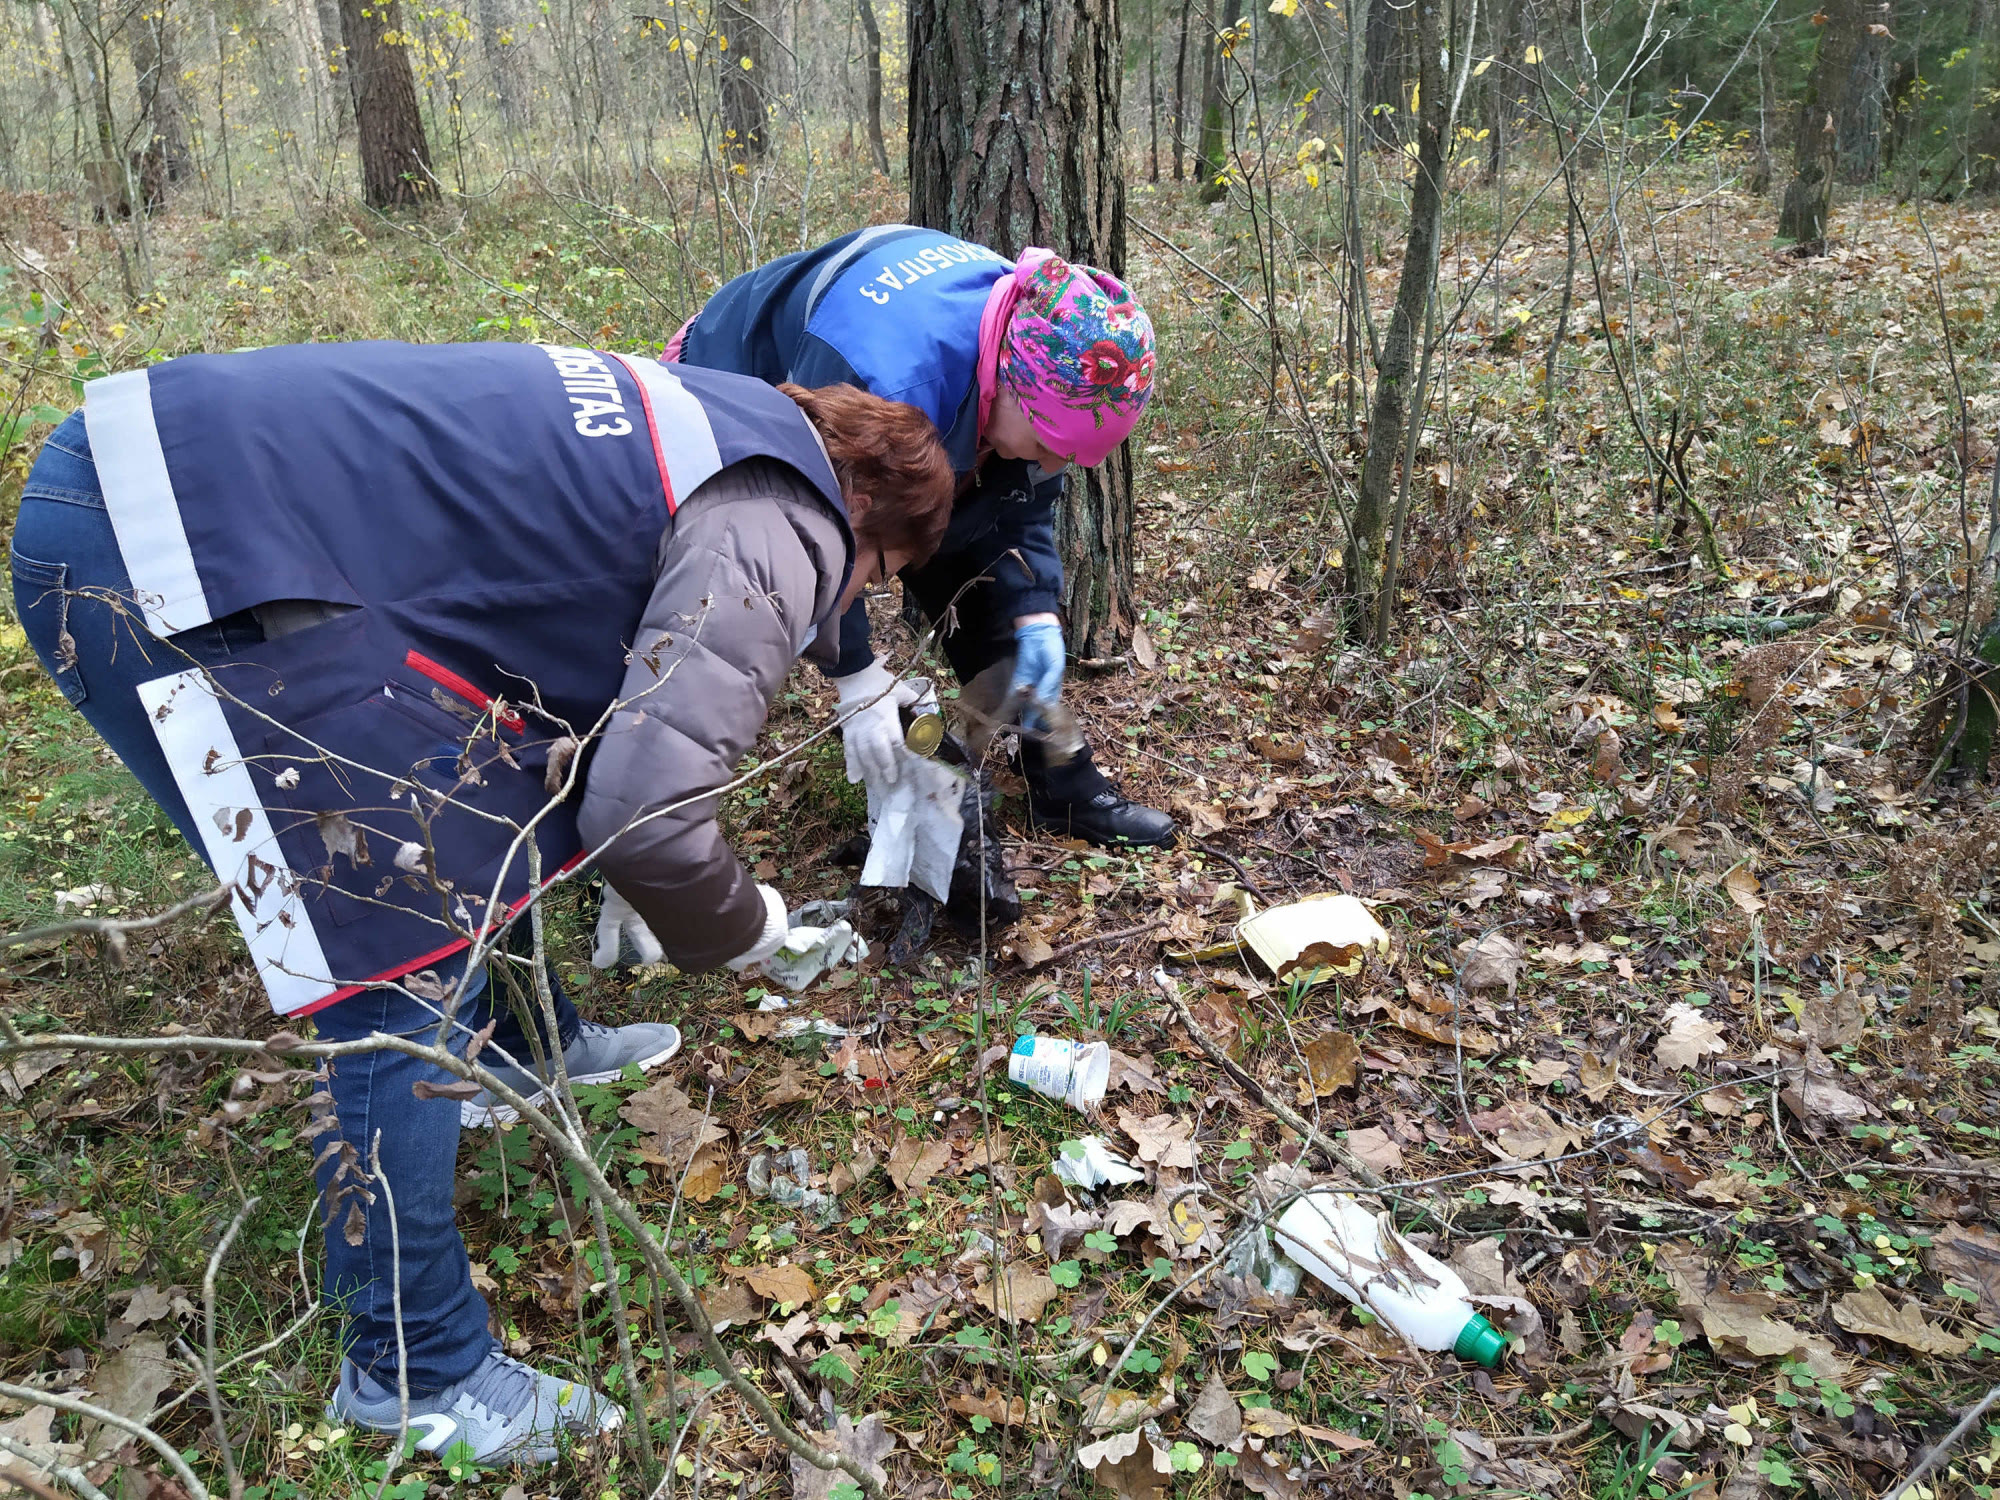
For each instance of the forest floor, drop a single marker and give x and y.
(1685, 1052)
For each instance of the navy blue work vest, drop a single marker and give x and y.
(491, 514)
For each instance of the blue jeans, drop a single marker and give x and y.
(68, 575)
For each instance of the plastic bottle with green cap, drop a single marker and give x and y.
(1360, 1255)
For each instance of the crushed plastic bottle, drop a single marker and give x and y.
(1360, 1255)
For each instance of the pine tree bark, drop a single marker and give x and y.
(1859, 133)
(746, 126)
(871, 46)
(395, 154)
(1015, 141)
(1808, 206)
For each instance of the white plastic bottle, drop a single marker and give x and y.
(1355, 1252)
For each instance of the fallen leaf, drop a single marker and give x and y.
(798, 1326)
(1544, 1071)
(677, 1128)
(128, 1384)
(1740, 1324)
(1437, 1029)
(706, 1173)
(1129, 1464)
(1016, 1294)
(1493, 962)
(1525, 1131)
(1834, 1020)
(1970, 1257)
(1004, 1411)
(793, 1085)
(781, 1284)
(1743, 887)
(1333, 1058)
(867, 1442)
(1142, 649)
(32, 1430)
(1374, 1147)
(1271, 1475)
(1869, 1313)
(1689, 1037)
(912, 1164)
(1138, 1075)
(1597, 1075)
(1161, 1139)
(1215, 1418)
(1284, 752)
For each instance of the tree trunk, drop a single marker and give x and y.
(1153, 84)
(331, 40)
(746, 127)
(498, 44)
(164, 158)
(1390, 412)
(1211, 155)
(1860, 127)
(395, 156)
(1809, 195)
(1386, 65)
(1180, 92)
(1015, 141)
(1761, 170)
(871, 42)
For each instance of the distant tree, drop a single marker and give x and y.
(395, 155)
(164, 158)
(746, 123)
(1388, 62)
(1015, 141)
(871, 47)
(1211, 152)
(1808, 201)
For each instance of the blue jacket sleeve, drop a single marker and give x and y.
(1030, 583)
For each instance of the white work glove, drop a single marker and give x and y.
(618, 924)
(873, 731)
(777, 923)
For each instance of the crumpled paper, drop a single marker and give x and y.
(914, 826)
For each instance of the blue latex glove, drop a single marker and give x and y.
(1038, 659)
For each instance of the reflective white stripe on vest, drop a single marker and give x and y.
(681, 434)
(139, 498)
(208, 768)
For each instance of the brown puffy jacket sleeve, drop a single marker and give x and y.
(753, 558)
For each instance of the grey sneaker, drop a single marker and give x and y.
(503, 1412)
(598, 1055)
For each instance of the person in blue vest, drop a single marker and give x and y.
(1026, 367)
(397, 635)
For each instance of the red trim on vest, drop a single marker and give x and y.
(652, 429)
(451, 682)
(399, 970)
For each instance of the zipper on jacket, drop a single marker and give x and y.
(456, 685)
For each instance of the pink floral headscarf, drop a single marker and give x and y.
(1075, 348)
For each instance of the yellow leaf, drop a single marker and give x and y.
(1483, 66)
(1416, 96)
(1533, 56)
(746, 64)
(1284, 7)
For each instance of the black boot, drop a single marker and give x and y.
(1077, 800)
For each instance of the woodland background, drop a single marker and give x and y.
(1567, 519)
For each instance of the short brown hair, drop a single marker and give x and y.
(890, 452)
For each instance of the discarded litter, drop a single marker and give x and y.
(1360, 1255)
(1095, 1166)
(1254, 1258)
(915, 826)
(1075, 1072)
(810, 949)
(1315, 938)
(782, 1177)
